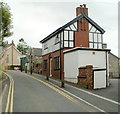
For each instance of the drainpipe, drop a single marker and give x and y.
(61, 78)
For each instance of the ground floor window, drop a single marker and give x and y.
(45, 64)
(57, 62)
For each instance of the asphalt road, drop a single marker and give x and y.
(105, 99)
(31, 95)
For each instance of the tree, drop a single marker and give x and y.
(22, 46)
(5, 21)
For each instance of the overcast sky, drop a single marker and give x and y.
(33, 20)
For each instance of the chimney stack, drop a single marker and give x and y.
(104, 46)
(82, 9)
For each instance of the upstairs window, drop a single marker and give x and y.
(95, 38)
(68, 39)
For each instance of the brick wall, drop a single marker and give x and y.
(85, 77)
(55, 73)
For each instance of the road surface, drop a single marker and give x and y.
(38, 95)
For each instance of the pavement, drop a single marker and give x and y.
(31, 96)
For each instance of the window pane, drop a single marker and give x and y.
(95, 37)
(91, 37)
(65, 35)
(99, 38)
(91, 45)
(95, 45)
(71, 35)
(70, 44)
(61, 35)
(56, 61)
(65, 43)
(61, 43)
(45, 64)
(100, 46)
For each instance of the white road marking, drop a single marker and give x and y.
(9, 104)
(78, 98)
(2, 97)
(104, 98)
(74, 96)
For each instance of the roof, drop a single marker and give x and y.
(72, 22)
(37, 51)
(11, 47)
(88, 49)
(114, 55)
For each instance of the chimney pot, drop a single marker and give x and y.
(84, 5)
(81, 6)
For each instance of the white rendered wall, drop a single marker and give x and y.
(51, 46)
(98, 59)
(71, 66)
(99, 79)
(74, 60)
(108, 78)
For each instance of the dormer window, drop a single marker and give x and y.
(45, 46)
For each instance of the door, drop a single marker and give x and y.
(50, 67)
(99, 79)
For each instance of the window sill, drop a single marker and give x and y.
(56, 69)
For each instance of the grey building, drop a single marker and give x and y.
(34, 56)
(114, 66)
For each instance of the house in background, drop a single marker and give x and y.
(11, 57)
(114, 69)
(33, 60)
(37, 60)
(81, 33)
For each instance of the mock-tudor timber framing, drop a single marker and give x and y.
(82, 15)
(75, 33)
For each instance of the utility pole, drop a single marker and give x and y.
(31, 62)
